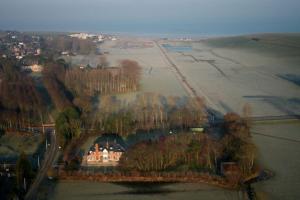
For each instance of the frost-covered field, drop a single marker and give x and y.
(280, 154)
(157, 75)
(228, 76)
(227, 73)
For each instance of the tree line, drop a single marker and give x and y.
(21, 103)
(148, 111)
(61, 43)
(180, 152)
(238, 146)
(53, 79)
(104, 80)
(76, 90)
(200, 152)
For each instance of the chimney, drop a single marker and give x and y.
(96, 148)
(107, 146)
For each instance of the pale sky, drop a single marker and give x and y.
(155, 16)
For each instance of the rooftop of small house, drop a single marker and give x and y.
(108, 146)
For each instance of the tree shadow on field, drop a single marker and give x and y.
(289, 106)
(293, 78)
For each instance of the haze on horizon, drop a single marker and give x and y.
(156, 16)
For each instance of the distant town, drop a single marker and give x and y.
(18, 45)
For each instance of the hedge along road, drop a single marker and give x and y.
(47, 164)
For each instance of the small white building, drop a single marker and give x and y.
(33, 68)
(38, 51)
(65, 53)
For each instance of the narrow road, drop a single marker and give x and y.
(191, 92)
(276, 137)
(46, 165)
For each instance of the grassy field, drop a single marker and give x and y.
(93, 190)
(272, 44)
(12, 145)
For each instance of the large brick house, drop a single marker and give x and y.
(104, 154)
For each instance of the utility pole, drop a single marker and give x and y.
(24, 184)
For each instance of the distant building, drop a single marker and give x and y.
(38, 51)
(109, 154)
(80, 35)
(100, 38)
(65, 53)
(21, 44)
(197, 130)
(83, 36)
(82, 66)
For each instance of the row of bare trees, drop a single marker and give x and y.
(76, 89)
(20, 102)
(176, 152)
(53, 79)
(237, 142)
(61, 43)
(104, 80)
(148, 111)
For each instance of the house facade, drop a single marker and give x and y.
(33, 68)
(109, 154)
